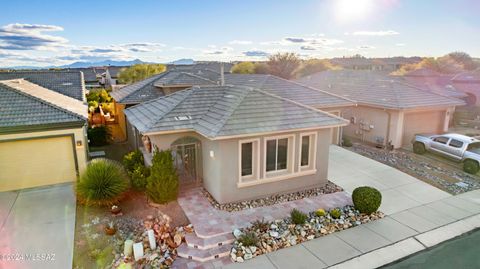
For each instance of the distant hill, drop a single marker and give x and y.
(183, 61)
(81, 64)
(102, 63)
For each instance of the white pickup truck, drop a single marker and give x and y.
(459, 147)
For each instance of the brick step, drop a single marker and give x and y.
(203, 255)
(194, 241)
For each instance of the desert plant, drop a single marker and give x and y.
(346, 142)
(138, 177)
(335, 213)
(248, 239)
(132, 159)
(366, 199)
(98, 136)
(298, 217)
(320, 212)
(261, 225)
(103, 182)
(162, 184)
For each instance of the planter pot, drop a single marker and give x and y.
(110, 230)
(97, 118)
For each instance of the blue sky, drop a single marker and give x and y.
(59, 32)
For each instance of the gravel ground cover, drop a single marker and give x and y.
(435, 170)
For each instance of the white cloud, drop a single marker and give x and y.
(400, 44)
(376, 33)
(19, 36)
(240, 42)
(365, 47)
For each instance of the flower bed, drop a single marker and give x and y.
(264, 237)
(330, 187)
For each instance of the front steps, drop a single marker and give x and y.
(206, 249)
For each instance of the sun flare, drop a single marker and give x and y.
(352, 10)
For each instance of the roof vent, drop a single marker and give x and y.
(67, 84)
(183, 118)
(229, 96)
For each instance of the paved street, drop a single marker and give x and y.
(38, 221)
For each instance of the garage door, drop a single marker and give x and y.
(422, 122)
(36, 162)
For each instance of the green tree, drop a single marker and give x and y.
(464, 59)
(243, 68)
(162, 184)
(283, 64)
(313, 66)
(139, 72)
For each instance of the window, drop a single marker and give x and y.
(441, 139)
(456, 144)
(247, 159)
(249, 167)
(304, 161)
(276, 154)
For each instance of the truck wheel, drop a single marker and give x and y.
(418, 148)
(470, 166)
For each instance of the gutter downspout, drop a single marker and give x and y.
(387, 137)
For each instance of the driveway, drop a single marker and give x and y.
(400, 191)
(37, 227)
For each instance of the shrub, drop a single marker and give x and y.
(98, 136)
(346, 142)
(103, 182)
(366, 199)
(335, 213)
(138, 177)
(162, 184)
(320, 212)
(132, 159)
(298, 217)
(248, 239)
(261, 225)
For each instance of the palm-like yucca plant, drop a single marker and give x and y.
(103, 182)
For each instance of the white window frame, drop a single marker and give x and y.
(290, 157)
(312, 163)
(255, 155)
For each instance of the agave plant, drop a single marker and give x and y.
(104, 182)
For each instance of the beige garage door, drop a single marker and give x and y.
(36, 162)
(422, 122)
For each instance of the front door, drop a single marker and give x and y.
(186, 162)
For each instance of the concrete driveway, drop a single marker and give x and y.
(37, 227)
(400, 191)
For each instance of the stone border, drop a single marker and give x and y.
(330, 187)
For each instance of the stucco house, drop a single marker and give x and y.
(153, 87)
(432, 81)
(240, 142)
(42, 135)
(469, 83)
(389, 111)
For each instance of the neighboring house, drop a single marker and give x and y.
(111, 75)
(69, 83)
(241, 142)
(150, 88)
(295, 92)
(432, 81)
(207, 65)
(389, 112)
(90, 77)
(469, 83)
(42, 135)
(359, 62)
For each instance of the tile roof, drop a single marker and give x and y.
(220, 111)
(149, 88)
(375, 89)
(468, 77)
(289, 89)
(114, 70)
(69, 83)
(24, 105)
(89, 74)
